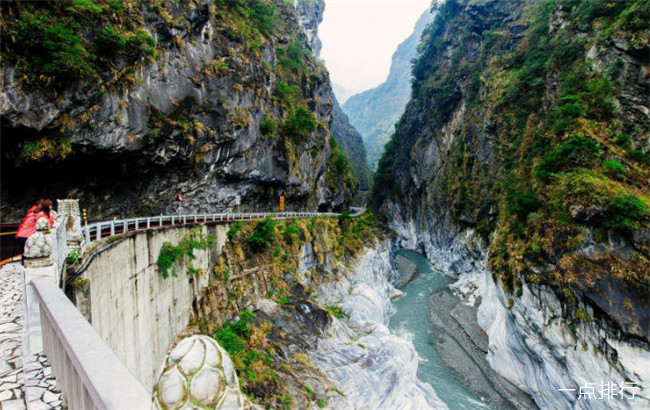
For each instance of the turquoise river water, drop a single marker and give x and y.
(411, 322)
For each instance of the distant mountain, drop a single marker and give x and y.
(342, 94)
(350, 140)
(374, 112)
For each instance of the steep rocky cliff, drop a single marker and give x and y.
(522, 164)
(374, 112)
(124, 103)
(352, 144)
(346, 136)
(302, 307)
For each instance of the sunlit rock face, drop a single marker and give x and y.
(197, 373)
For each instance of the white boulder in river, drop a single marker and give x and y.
(197, 374)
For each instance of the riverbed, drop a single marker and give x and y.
(411, 321)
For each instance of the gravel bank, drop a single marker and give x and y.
(462, 346)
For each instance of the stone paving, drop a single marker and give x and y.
(24, 383)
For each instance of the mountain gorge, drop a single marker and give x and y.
(125, 103)
(521, 165)
(517, 163)
(374, 112)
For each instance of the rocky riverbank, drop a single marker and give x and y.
(530, 344)
(463, 344)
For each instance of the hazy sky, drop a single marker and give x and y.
(360, 36)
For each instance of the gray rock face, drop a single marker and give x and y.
(187, 122)
(350, 140)
(535, 342)
(374, 112)
(407, 270)
(310, 15)
(367, 361)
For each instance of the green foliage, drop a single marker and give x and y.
(575, 152)
(230, 341)
(268, 126)
(583, 315)
(292, 58)
(522, 202)
(554, 116)
(284, 91)
(586, 11)
(140, 44)
(614, 169)
(73, 256)
(623, 140)
(83, 8)
(354, 231)
(335, 311)
(340, 162)
(263, 235)
(299, 125)
(250, 359)
(584, 94)
(64, 41)
(55, 48)
(172, 254)
(627, 212)
(234, 230)
(232, 337)
(290, 232)
(54, 148)
(639, 156)
(109, 41)
(260, 13)
(339, 166)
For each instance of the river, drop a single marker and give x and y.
(411, 321)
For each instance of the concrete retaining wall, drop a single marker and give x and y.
(135, 310)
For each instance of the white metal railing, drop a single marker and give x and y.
(88, 372)
(98, 230)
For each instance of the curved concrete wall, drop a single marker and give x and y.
(135, 310)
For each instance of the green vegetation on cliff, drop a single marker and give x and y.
(172, 91)
(54, 43)
(262, 260)
(539, 112)
(182, 253)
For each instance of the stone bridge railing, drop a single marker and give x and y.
(86, 369)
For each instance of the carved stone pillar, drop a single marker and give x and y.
(38, 248)
(68, 212)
